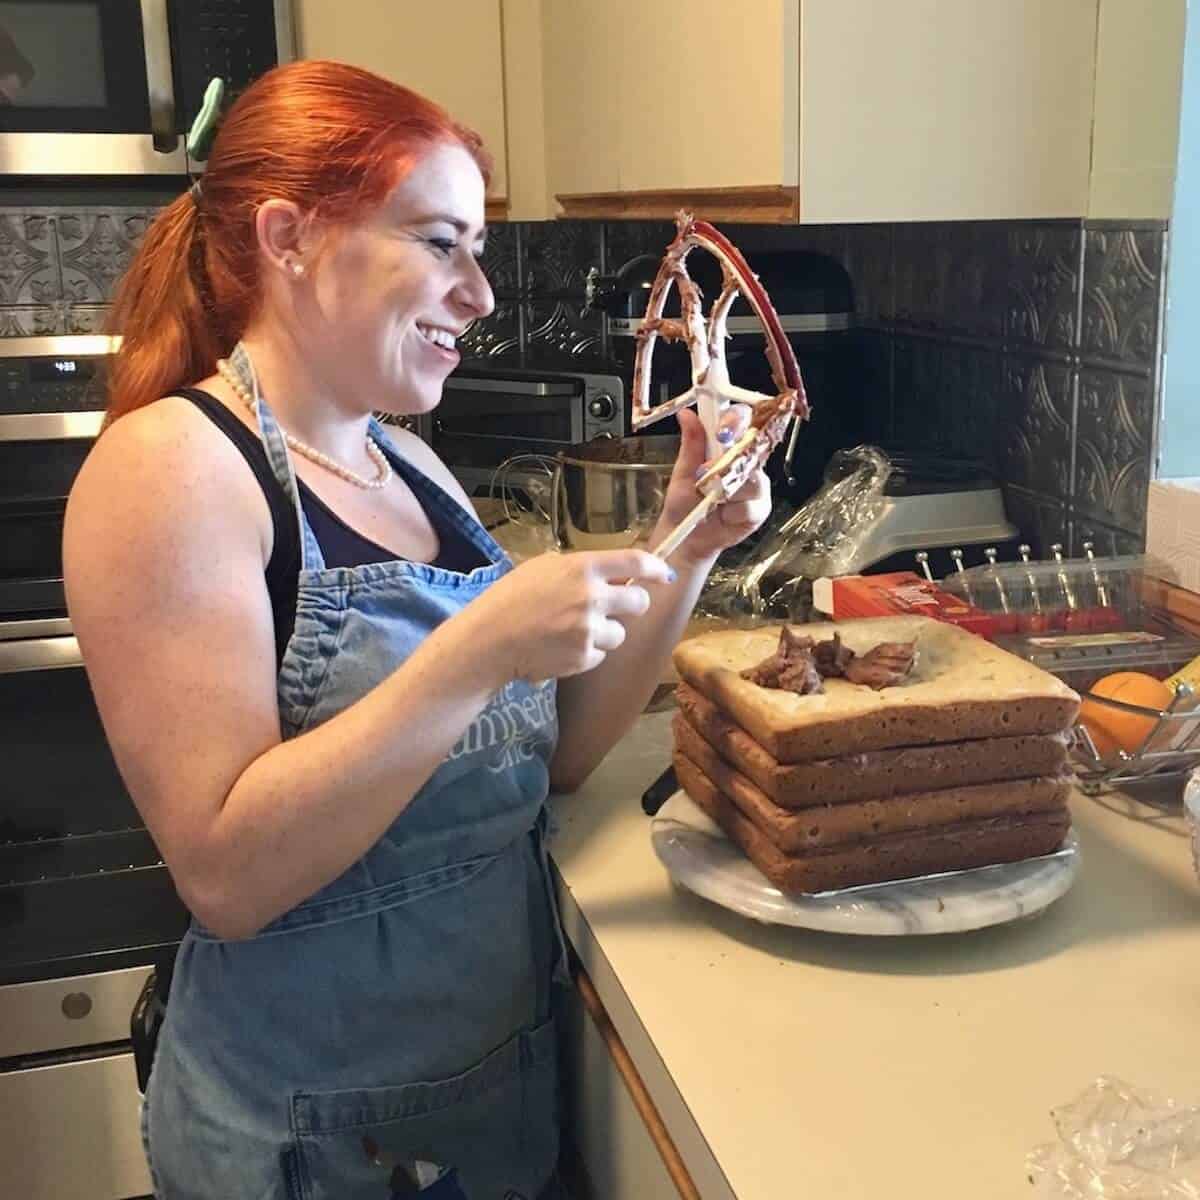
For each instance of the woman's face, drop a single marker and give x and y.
(394, 293)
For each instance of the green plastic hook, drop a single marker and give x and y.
(204, 127)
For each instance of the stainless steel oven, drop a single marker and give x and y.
(107, 87)
(489, 415)
(87, 908)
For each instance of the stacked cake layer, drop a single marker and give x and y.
(961, 764)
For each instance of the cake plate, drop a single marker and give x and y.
(698, 856)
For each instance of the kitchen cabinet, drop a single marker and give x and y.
(622, 1148)
(787, 1063)
(819, 110)
(793, 110)
(1135, 140)
(639, 100)
(453, 56)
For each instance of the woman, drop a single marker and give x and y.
(337, 704)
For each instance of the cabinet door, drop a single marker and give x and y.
(945, 109)
(582, 47)
(708, 93)
(450, 53)
(822, 110)
(624, 1159)
(644, 100)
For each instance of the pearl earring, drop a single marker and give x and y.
(297, 268)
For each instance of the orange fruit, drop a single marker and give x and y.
(1111, 728)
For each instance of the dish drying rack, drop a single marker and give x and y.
(1086, 618)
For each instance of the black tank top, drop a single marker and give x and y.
(340, 545)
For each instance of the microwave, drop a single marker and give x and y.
(109, 87)
(488, 416)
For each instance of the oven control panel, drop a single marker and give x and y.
(53, 388)
(55, 384)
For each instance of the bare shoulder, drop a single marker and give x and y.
(167, 466)
(172, 433)
(421, 455)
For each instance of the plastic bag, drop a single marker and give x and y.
(1116, 1141)
(820, 538)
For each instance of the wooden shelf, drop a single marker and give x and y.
(735, 204)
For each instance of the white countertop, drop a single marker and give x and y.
(790, 1063)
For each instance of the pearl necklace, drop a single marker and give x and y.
(247, 395)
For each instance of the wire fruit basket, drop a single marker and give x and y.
(1170, 749)
(1090, 621)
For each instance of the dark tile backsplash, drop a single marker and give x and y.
(1113, 446)
(1122, 281)
(1031, 345)
(59, 264)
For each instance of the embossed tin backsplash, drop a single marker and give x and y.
(58, 266)
(1032, 345)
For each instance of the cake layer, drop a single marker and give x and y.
(873, 774)
(960, 688)
(818, 826)
(895, 856)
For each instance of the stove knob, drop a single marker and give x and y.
(76, 1005)
(602, 407)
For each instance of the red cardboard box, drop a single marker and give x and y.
(903, 593)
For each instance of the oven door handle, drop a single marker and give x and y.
(50, 426)
(39, 654)
(160, 83)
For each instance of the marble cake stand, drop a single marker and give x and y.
(699, 857)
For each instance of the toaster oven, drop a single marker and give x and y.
(488, 416)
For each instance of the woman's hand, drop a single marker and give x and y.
(560, 614)
(732, 521)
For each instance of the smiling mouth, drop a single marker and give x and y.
(443, 339)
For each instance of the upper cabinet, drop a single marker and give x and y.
(1135, 138)
(820, 110)
(646, 98)
(453, 55)
(793, 110)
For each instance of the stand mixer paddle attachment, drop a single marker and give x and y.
(728, 468)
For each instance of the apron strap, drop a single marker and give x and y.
(280, 460)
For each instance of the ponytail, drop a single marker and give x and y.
(168, 338)
(332, 139)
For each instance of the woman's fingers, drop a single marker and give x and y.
(693, 446)
(734, 421)
(607, 634)
(737, 514)
(755, 488)
(629, 600)
(629, 565)
(748, 507)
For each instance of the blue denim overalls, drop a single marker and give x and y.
(392, 1034)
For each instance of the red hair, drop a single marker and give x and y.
(331, 138)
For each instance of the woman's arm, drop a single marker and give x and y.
(596, 709)
(165, 541)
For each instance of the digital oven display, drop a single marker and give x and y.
(61, 370)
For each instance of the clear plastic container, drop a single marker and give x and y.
(1079, 660)
(1073, 596)
(1081, 619)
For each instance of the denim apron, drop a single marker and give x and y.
(393, 1034)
